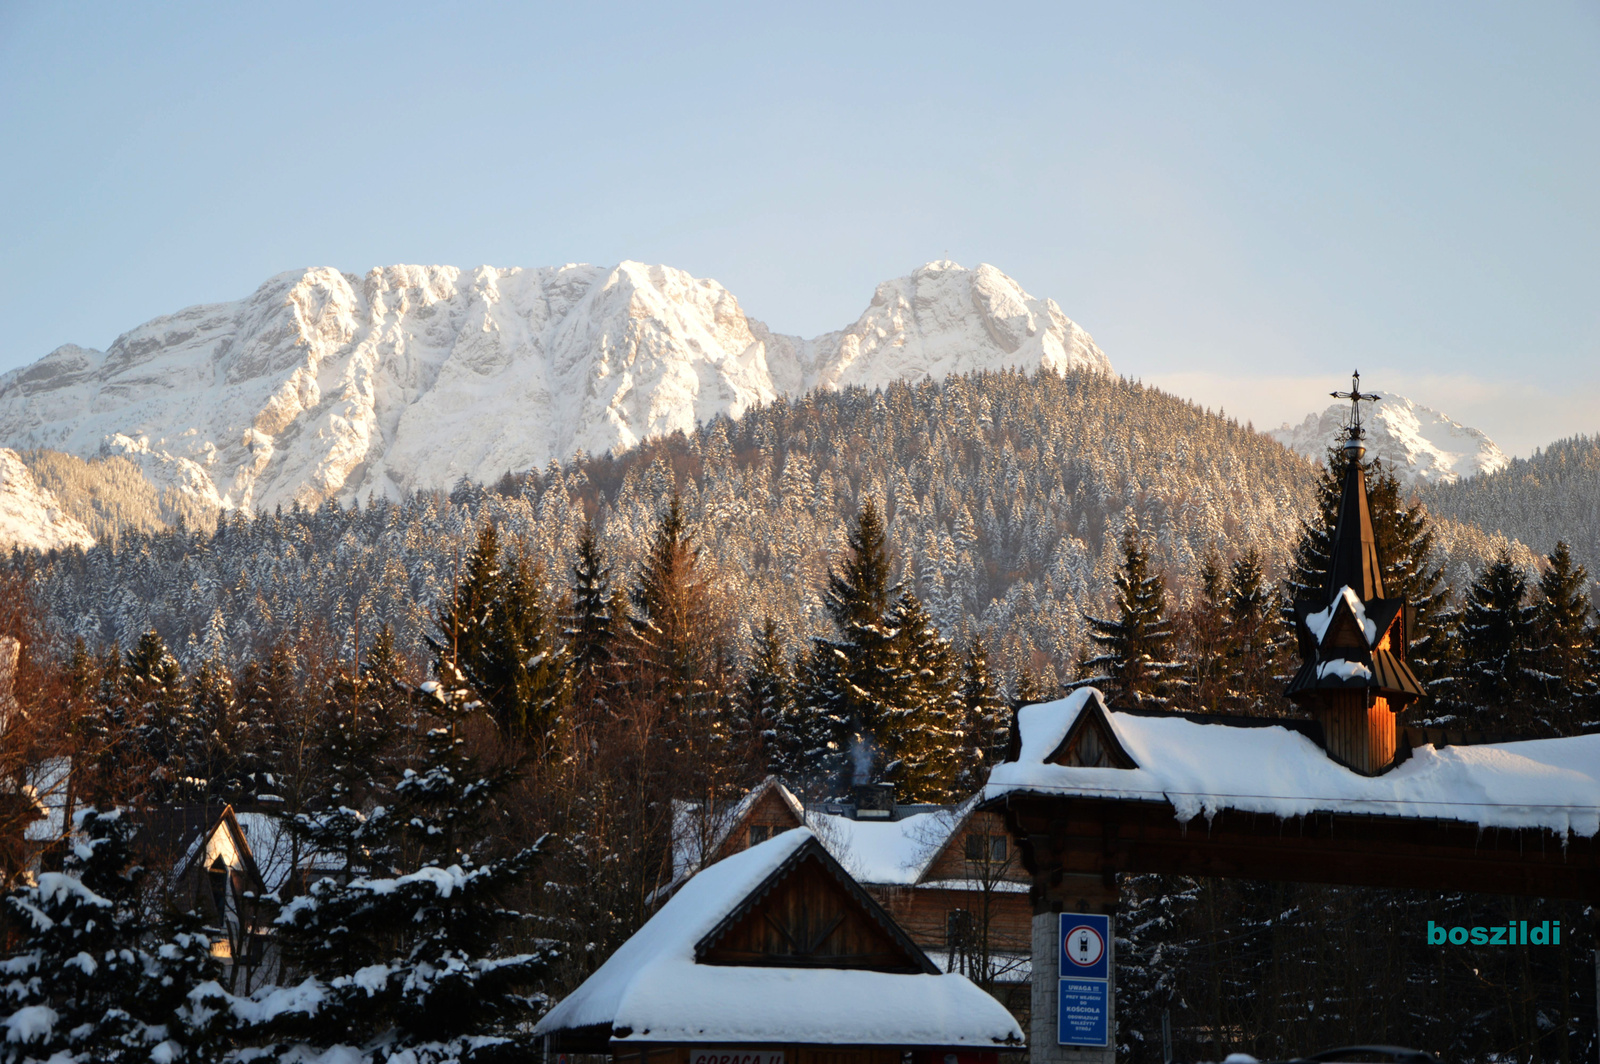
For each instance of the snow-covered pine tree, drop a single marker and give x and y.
(413, 951)
(153, 688)
(499, 628)
(205, 732)
(1154, 936)
(1256, 639)
(766, 704)
(83, 984)
(1135, 663)
(986, 720)
(920, 732)
(1562, 638)
(1496, 628)
(1204, 635)
(589, 625)
(852, 684)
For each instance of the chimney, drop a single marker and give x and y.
(873, 801)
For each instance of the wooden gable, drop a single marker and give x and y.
(1091, 742)
(767, 816)
(1343, 631)
(972, 852)
(810, 914)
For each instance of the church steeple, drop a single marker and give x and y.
(1353, 674)
(1354, 550)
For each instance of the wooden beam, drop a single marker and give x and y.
(1095, 836)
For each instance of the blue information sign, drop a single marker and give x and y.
(1085, 946)
(1083, 1015)
(1081, 1020)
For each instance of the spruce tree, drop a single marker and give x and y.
(853, 684)
(1496, 630)
(1135, 665)
(766, 704)
(1207, 650)
(986, 720)
(153, 687)
(1255, 640)
(678, 654)
(589, 625)
(1562, 636)
(90, 979)
(406, 952)
(499, 628)
(920, 732)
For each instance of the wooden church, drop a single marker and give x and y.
(775, 955)
(1353, 676)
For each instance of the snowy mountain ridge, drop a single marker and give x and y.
(1420, 444)
(324, 385)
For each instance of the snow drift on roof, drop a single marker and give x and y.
(1204, 768)
(651, 989)
(1318, 622)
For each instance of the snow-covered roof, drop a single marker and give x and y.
(1203, 768)
(653, 990)
(273, 847)
(888, 852)
(46, 783)
(894, 852)
(694, 830)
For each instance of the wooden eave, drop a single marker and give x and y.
(812, 850)
(1099, 836)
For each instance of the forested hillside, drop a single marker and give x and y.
(1006, 496)
(1553, 496)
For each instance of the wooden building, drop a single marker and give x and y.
(950, 875)
(775, 955)
(1348, 796)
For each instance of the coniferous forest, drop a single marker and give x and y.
(479, 710)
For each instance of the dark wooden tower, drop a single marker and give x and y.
(1353, 676)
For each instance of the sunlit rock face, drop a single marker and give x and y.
(325, 385)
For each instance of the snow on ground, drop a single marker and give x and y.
(329, 385)
(1421, 445)
(30, 515)
(1204, 768)
(651, 989)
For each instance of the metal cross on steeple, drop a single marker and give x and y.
(1353, 431)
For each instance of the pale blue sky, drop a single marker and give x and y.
(1235, 199)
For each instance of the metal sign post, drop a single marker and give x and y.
(1084, 994)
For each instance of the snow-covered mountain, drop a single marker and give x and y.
(30, 515)
(1420, 444)
(328, 385)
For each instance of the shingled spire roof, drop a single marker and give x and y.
(1353, 560)
(1354, 550)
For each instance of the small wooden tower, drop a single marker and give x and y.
(1354, 677)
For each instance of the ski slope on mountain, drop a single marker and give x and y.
(1421, 445)
(324, 385)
